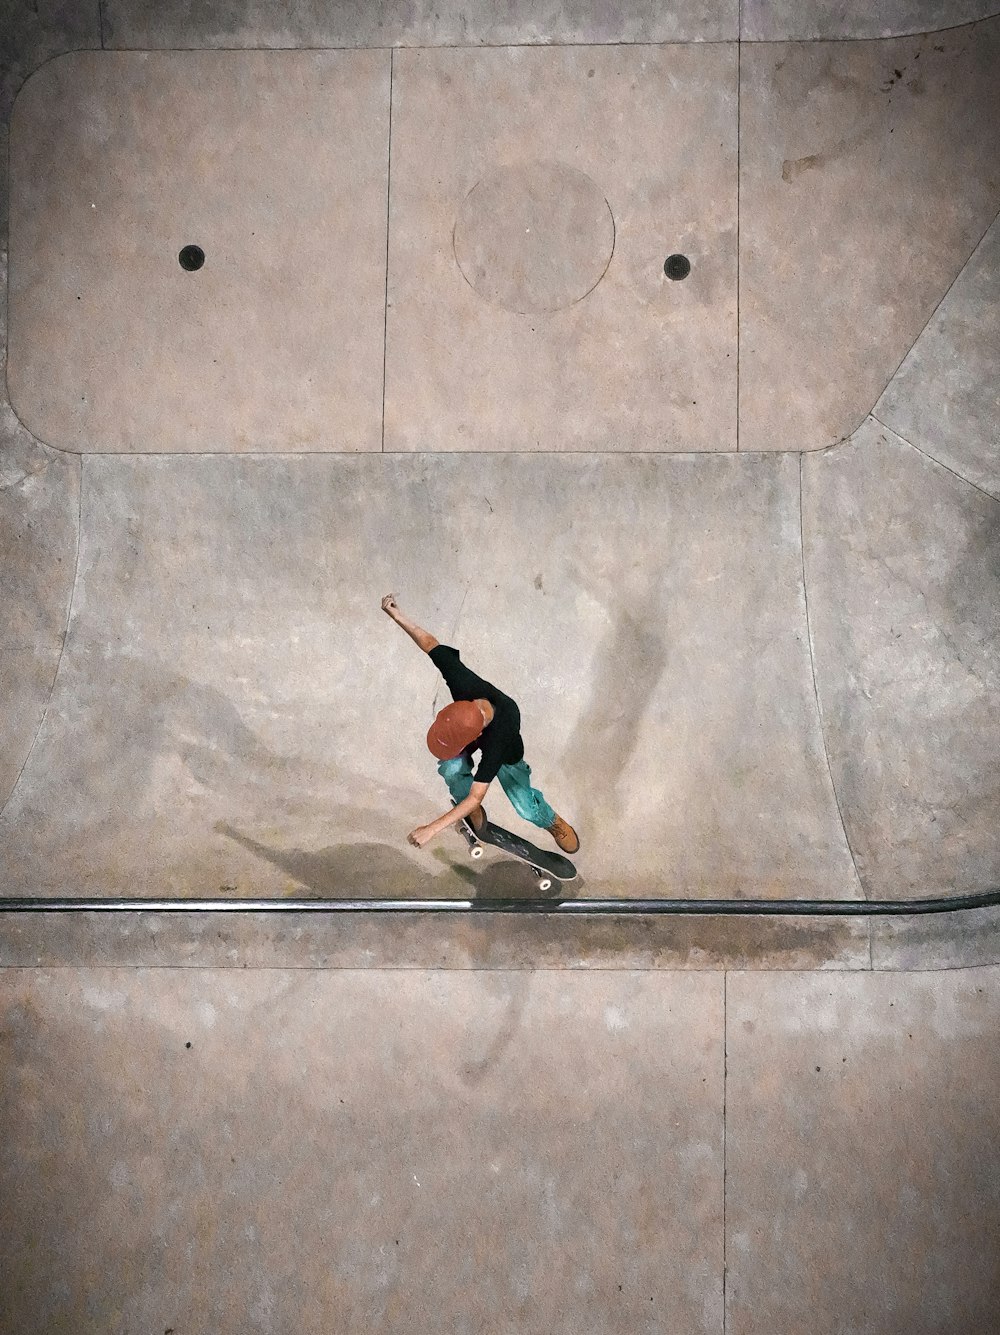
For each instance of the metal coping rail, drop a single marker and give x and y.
(798, 908)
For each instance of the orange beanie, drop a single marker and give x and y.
(455, 727)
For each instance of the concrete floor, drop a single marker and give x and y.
(733, 544)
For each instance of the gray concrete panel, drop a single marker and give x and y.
(869, 173)
(795, 20)
(637, 362)
(932, 941)
(408, 941)
(902, 562)
(39, 512)
(290, 23)
(234, 714)
(945, 398)
(862, 1153)
(275, 164)
(395, 1152)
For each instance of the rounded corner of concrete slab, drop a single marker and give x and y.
(571, 339)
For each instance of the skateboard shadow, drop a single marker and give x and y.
(501, 876)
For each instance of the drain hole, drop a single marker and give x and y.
(677, 267)
(191, 258)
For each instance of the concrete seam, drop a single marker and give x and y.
(424, 454)
(62, 647)
(100, 22)
(388, 198)
(725, 1146)
(82, 965)
(739, 137)
(819, 707)
(930, 458)
(937, 306)
(580, 45)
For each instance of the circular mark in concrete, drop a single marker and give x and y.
(677, 267)
(191, 258)
(534, 237)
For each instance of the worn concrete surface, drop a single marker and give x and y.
(794, 20)
(120, 160)
(862, 1159)
(234, 711)
(494, 941)
(945, 398)
(32, 32)
(902, 562)
(280, 23)
(869, 173)
(530, 1152)
(39, 498)
(210, 733)
(920, 941)
(178, 23)
(606, 1149)
(641, 363)
(39, 514)
(888, 150)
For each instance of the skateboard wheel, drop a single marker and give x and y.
(477, 852)
(544, 884)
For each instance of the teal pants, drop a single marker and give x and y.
(515, 780)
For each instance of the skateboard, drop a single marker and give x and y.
(548, 867)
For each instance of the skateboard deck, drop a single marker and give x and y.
(548, 867)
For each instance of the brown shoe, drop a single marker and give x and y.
(477, 818)
(564, 835)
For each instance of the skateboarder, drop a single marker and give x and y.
(480, 719)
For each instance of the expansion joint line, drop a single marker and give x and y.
(812, 666)
(739, 132)
(388, 198)
(725, 1149)
(937, 306)
(960, 477)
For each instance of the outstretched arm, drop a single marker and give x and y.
(423, 638)
(423, 834)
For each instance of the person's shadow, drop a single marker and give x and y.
(339, 871)
(380, 871)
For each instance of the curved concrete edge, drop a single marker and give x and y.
(901, 559)
(39, 545)
(30, 36)
(856, 20)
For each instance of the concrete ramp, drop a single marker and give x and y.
(763, 674)
(234, 713)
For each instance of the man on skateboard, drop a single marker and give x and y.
(483, 719)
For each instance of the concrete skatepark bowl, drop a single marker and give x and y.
(651, 359)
